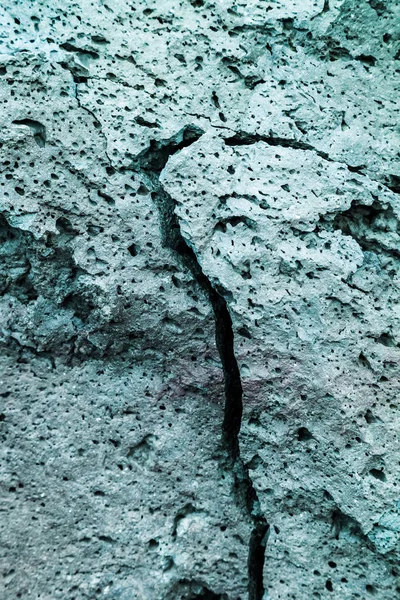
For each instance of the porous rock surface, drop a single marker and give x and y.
(199, 278)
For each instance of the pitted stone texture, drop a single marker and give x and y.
(305, 251)
(84, 266)
(85, 275)
(146, 69)
(306, 254)
(108, 477)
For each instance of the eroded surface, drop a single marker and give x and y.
(173, 171)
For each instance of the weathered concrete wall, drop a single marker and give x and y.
(199, 277)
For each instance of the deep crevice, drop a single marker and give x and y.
(151, 162)
(241, 138)
(365, 224)
(247, 139)
(393, 183)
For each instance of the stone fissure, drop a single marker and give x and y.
(97, 122)
(246, 139)
(197, 340)
(242, 138)
(151, 162)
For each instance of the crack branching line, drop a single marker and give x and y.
(246, 139)
(242, 138)
(96, 121)
(150, 163)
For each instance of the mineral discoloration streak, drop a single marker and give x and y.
(199, 291)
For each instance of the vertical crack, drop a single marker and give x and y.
(151, 162)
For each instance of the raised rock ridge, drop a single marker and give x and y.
(199, 277)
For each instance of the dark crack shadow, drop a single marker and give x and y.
(151, 162)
